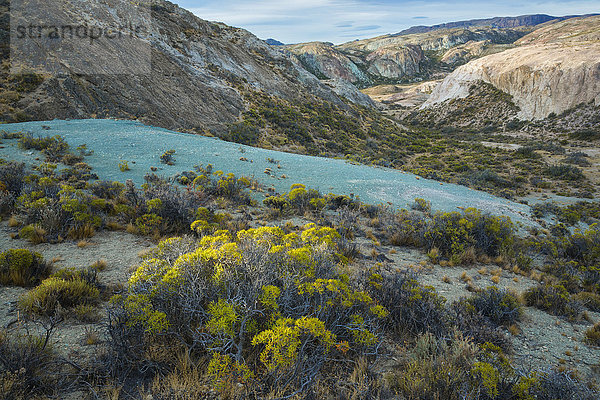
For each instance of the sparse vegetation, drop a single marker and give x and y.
(592, 335)
(554, 299)
(124, 166)
(247, 310)
(168, 157)
(64, 291)
(21, 267)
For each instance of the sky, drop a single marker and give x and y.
(339, 21)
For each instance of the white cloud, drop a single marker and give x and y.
(293, 21)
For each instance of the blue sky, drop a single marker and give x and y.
(338, 21)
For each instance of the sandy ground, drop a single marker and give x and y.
(543, 340)
(119, 249)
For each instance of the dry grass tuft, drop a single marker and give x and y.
(100, 265)
(464, 277)
(13, 222)
(83, 232)
(131, 228)
(57, 259)
(33, 233)
(114, 226)
(91, 337)
(536, 275)
(468, 257)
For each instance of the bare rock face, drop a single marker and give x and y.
(407, 96)
(393, 57)
(196, 80)
(555, 69)
(465, 52)
(396, 62)
(345, 89)
(324, 59)
(436, 40)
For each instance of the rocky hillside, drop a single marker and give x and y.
(327, 62)
(395, 59)
(496, 22)
(201, 78)
(554, 69)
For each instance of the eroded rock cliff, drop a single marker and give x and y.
(553, 70)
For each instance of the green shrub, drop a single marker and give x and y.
(453, 232)
(244, 133)
(554, 299)
(21, 267)
(168, 157)
(411, 306)
(590, 300)
(55, 148)
(565, 172)
(577, 158)
(55, 210)
(65, 290)
(11, 184)
(33, 233)
(421, 205)
(527, 152)
(473, 324)
(149, 223)
(434, 369)
(106, 189)
(124, 166)
(498, 305)
(585, 134)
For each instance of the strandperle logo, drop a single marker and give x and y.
(100, 37)
(76, 31)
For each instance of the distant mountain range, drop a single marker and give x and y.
(496, 22)
(274, 42)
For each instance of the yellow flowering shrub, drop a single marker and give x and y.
(260, 291)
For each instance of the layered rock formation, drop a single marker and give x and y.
(555, 69)
(396, 62)
(436, 40)
(397, 58)
(417, 53)
(465, 52)
(325, 61)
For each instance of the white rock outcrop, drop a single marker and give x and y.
(544, 77)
